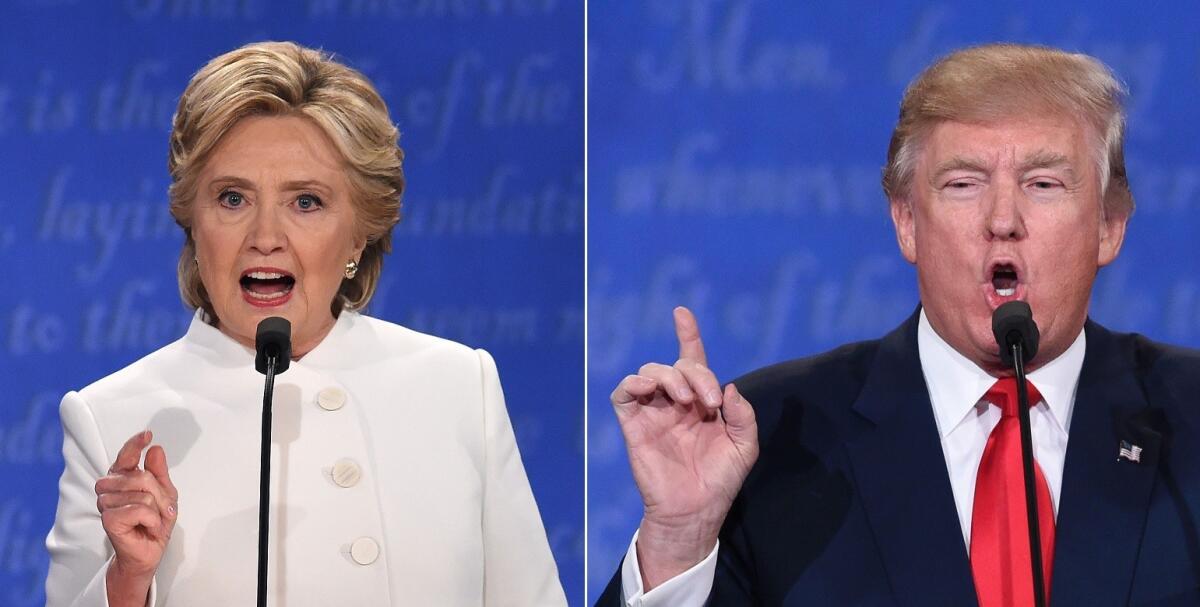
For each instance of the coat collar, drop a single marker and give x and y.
(1104, 498)
(334, 352)
(900, 472)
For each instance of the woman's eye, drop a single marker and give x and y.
(308, 202)
(231, 199)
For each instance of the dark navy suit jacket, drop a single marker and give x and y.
(850, 502)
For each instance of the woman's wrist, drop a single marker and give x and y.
(127, 589)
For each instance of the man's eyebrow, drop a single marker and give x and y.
(1046, 159)
(960, 163)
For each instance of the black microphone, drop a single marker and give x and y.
(273, 339)
(273, 354)
(1012, 323)
(1017, 335)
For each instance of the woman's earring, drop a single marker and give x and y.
(351, 268)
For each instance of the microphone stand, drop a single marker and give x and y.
(1031, 509)
(264, 481)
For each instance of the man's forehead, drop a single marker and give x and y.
(1018, 142)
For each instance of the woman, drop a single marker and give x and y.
(395, 475)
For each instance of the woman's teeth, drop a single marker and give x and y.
(269, 295)
(264, 286)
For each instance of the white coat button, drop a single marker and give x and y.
(346, 473)
(364, 551)
(331, 399)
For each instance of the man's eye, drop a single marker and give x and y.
(231, 199)
(308, 202)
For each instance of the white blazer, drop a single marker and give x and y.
(396, 479)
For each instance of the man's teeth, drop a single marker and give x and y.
(1006, 292)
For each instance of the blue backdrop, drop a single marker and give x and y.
(734, 160)
(488, 96)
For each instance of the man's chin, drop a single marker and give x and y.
(985, 353)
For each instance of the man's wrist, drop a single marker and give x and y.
(665, 550)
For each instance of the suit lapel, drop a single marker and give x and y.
(900, 472)
(1104, 500)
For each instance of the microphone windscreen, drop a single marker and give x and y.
(273, 338)
(1013, 323)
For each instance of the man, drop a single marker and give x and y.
(888, 472)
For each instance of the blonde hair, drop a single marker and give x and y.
(987, 83)
(286, 79)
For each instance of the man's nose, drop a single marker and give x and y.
(266, 230)
(1004, 219)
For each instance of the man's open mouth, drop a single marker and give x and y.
(1004, 280)
(266, 285)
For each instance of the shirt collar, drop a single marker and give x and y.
(956, 384)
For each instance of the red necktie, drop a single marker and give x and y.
(1000, 560)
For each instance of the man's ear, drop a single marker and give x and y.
(1112, 235)
(906, 229)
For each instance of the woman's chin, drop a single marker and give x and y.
(240, 316)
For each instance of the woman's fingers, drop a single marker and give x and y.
(121, 520)
(107, 501)
(136, 505)
(131, 452)
(139, 481)
(156, 464)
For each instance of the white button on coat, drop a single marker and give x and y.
(346, 473)
(331, 399)
(364, 551)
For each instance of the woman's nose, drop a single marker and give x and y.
(266, 230)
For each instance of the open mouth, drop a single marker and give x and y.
(1004, 280)
(266, 286)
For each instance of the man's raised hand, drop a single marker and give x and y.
(691, 445)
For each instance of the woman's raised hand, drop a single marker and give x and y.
(138, 509)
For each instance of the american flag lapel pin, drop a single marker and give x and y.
(1130, 452)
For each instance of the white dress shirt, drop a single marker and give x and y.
(964, 421)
